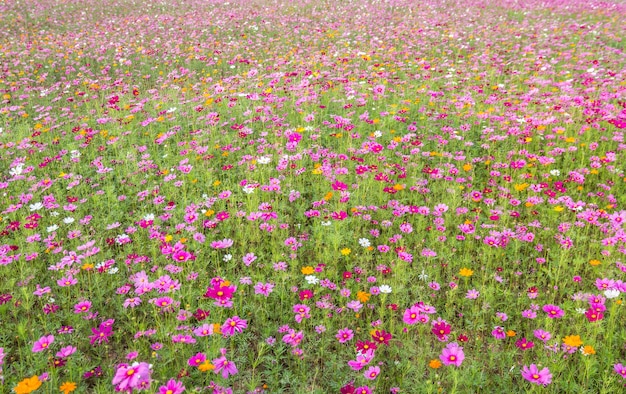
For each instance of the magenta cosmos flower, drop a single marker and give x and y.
(196, 360)
(452, 354)
(172, 387)
(620, 369)
(534, 375)
(43, 343)
(411, 315)
(344, 335)
(234, 325)
(224, 366)
(553, 311)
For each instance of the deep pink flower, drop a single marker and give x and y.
(196, 360)
(553, 311)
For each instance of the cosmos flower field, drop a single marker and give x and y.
(255, 196)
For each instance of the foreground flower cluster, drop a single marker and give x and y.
(354, 197)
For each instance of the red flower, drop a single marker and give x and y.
(381, 336)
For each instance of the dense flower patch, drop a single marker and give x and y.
(312, 196)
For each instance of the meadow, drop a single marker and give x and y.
(312, 196)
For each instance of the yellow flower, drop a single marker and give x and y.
(588, 350)
(521, 186)
(467, 167)
(308, 270)
(466, 272)
(397, 187)
(595, 262)
(27, 385)
(345, 251)
(434, 363)
(206, 366)
(67, 387)
(572, 340)
(87, 266)
(363, 296)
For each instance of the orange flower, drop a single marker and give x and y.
(572, 340)
(206, 366)
(28, 385)
(466, 272)
(588, 350)
(363, 296)
(595, 262)
(67, 387)
(510, 333)
(434, 363)
(308, 270)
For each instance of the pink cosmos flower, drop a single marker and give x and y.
(43, 343)
(66, 351)
(204, 330)
(620, 369)
(362, 359)
(344, 335)
(135, 376)
(534, 375)
(225, 367)
(411, 315)
(452, 354)
(371, 373)
(223, 244)
(172, 387)
(82, 307)
(362, 390)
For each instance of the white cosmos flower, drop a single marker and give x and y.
(228, 257)
(248, 190)
(581, 310)
(263, 160)
(113, 271)
(555, 172)
(17, 170)
(36, 206)
(423, 276)
(68, 220)
(611, 293)
(311, 279)
(385, 289)
(364, 242)
(328, 223)
(52, 228)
